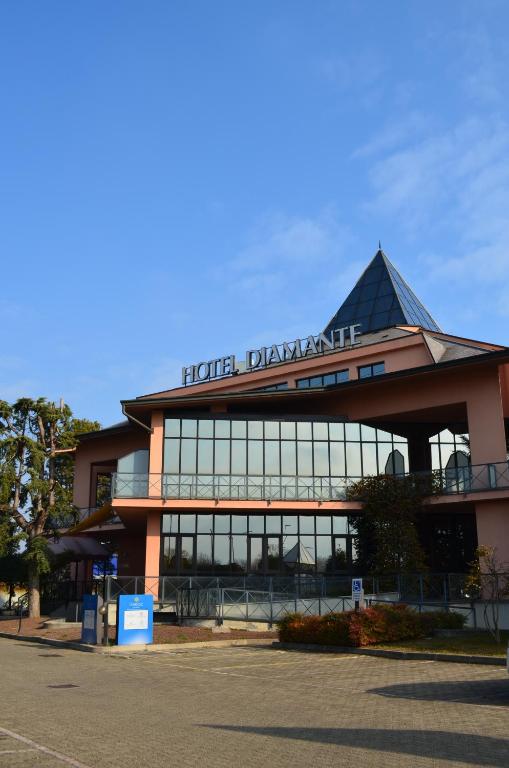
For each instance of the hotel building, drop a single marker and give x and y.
(245, 467)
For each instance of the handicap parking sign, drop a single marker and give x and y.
(357, 589)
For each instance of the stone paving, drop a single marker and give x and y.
(246, 706)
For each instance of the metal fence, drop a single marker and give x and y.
(453, 480)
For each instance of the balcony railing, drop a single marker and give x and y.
(474, 478)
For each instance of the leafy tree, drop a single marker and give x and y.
(488, 581)
(37, 441)
(386, 534)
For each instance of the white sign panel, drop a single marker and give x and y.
(136, 619)
(89, 620)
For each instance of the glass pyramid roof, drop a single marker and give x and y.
(381, 299)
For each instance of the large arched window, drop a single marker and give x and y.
(457, 472)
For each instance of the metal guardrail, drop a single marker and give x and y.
(455, 480)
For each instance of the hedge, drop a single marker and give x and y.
(376, 624)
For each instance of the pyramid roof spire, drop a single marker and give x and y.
(381, 299)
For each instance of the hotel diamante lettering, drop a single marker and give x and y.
(256, 359)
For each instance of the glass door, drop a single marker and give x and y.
(341, 554)
(265, 554)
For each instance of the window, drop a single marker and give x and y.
(285, 544)
(272, 388)
(373, 369)
(260, 449)
(325, 380)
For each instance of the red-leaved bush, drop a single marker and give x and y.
(376, 624)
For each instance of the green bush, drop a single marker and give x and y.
(376, 624)
(433, 620)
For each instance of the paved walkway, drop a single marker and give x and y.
(246, 706)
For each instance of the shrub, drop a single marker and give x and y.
(433, 620)
(376, 624)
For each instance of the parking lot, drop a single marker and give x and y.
(249, 706)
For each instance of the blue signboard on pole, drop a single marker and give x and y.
(357, 591)
(90, 624)
(135, 615)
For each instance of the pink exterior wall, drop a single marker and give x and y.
(152, 551)
(493, 528)
(101, 449)
(405, 352)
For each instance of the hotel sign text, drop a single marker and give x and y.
(256, 359)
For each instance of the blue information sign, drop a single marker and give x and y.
(90, 618)
(356, 589)
(135, 614)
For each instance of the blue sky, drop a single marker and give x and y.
(183, 180)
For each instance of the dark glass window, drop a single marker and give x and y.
(326, 380)
(373, 369)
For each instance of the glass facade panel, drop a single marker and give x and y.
(221, 550)
(340, 524)
(287, 430)
(288, 457)
(189, 427)
(221, 523)
(187, 523)
(255, 429)
(273, 524)
(323, 554)
(336, 430)
(222, 457)
(172, 427)
(188, 457)
(352, 432)
(239, 457)
(256, 524)
(204, 560)
(239, 554)
(239, 523)
(222, 428)
(306, 524)
(321, 459)
(256, 553)
(206, 428)
(239, 429)
(323, 525)
(255, 457)
(205, 457)
(304, 430)
(305, 458)
(205, 523)
(187, 553)
(320, 430)
(290, 524)
(337, 460)
(369, 463)
(272, 466)
(272, 430)
(353, 460)
(172, 455)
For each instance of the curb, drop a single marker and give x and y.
(112, 650)
(456, 658)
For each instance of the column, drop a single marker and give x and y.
(492, 518)
(419, 451)
(152, 552)
(155, 466)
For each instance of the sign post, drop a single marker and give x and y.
(91, 628)
(357, 592)
(135, 615)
